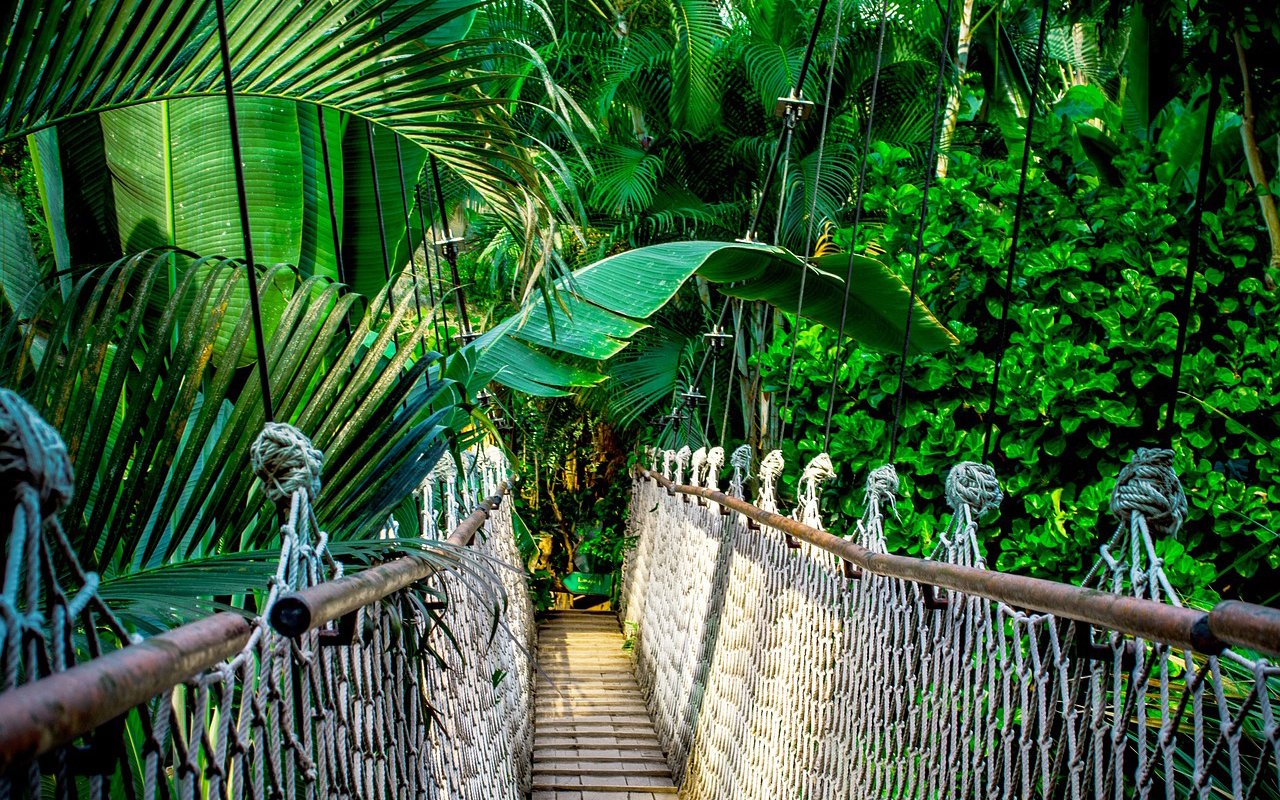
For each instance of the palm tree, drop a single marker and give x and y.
(144, 364)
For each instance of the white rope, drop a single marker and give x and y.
(365, 726)
(792, 681)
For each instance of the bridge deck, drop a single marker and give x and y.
(593, 736)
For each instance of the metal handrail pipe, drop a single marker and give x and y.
(1229, 623)
(295, 613)
(39, 716)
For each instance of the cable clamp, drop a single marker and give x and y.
(793, 107)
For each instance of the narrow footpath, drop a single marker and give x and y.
(593, 738)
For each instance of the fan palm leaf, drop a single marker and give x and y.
(376, 61)
(158, 424)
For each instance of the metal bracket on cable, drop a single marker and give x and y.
(692, 396)
(793, 107)
(717, 338)
(467, 337)
(931, 598)
(1090, 650)
(341, 636)
(101, 754)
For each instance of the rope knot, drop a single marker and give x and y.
(819, 469)
(286, 461)
(771, 465)
(32, 452)
(682, 463)
(699, 459)
(741, 458)
(715, 461)
(882, 488)
(974, 485)
(1149, 486)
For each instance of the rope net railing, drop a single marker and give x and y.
(777, 668)
(397, 699)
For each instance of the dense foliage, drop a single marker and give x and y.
(1087, 373)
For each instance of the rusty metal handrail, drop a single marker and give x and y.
(39, 716)
(295, 613)
(1228, 623)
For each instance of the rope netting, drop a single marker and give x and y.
(773, 670)
(398, 708)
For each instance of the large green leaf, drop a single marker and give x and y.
(174, 177)
(160, 440)
(19, 272)
(598, 307)
(363, 230)
(878, 301)
(390, 62)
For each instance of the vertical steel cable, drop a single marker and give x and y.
(428, 249)
(1193, 257)
(450, 252)
(857, 215)
(778, 147)
(813, 211)
(224, 47)
(382, 223)
(333, 206)
(930, 163)
(1002, 335)
(408, 229)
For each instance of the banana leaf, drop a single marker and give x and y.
(601, 306)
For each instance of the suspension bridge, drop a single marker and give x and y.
(769, 658)
(756, 653)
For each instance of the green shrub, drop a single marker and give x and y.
(1087, 373)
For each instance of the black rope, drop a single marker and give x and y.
(857, 219)
(1002, 336)
(778, 146)
(382, 224)
(711, 395)
(450, 253)
(930, 163)
(333, 206)
(333, 215)
(678, 408)
(264, 377)
(428, 250)
(408, 229)
(813, 210)
(1193, 258)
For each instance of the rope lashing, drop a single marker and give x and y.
(715, 461)
(285, 460)
(1149, 486)
(818, 471)
(974, 485)
(882, 489)
(32, 452)
(697, 462)
(682, 462)
(741, 463)
(771, 467)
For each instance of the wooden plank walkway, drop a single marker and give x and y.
(593, 738)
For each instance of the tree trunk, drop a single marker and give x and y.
(952, 115)
(1256, 169)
